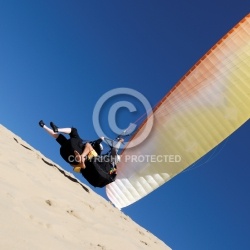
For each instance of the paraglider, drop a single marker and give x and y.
(86, 157)
(205, 107)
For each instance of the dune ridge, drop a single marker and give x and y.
(45, 207)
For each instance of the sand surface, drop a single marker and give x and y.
(44, 207)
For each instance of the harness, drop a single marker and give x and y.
(100, 169)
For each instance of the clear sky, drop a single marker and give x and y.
(58, 57)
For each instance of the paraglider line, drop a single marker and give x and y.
(213, 155)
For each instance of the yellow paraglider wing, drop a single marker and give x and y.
(207, 105)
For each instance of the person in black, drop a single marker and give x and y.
(85, 158)
(100, 170)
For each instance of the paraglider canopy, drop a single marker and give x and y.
(207, 105)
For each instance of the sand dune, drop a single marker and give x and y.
(45, 207)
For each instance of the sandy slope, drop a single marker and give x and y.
(43, 207)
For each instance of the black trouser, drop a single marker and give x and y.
(68, 146)
(61, 139)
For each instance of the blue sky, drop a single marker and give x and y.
(57, 58)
